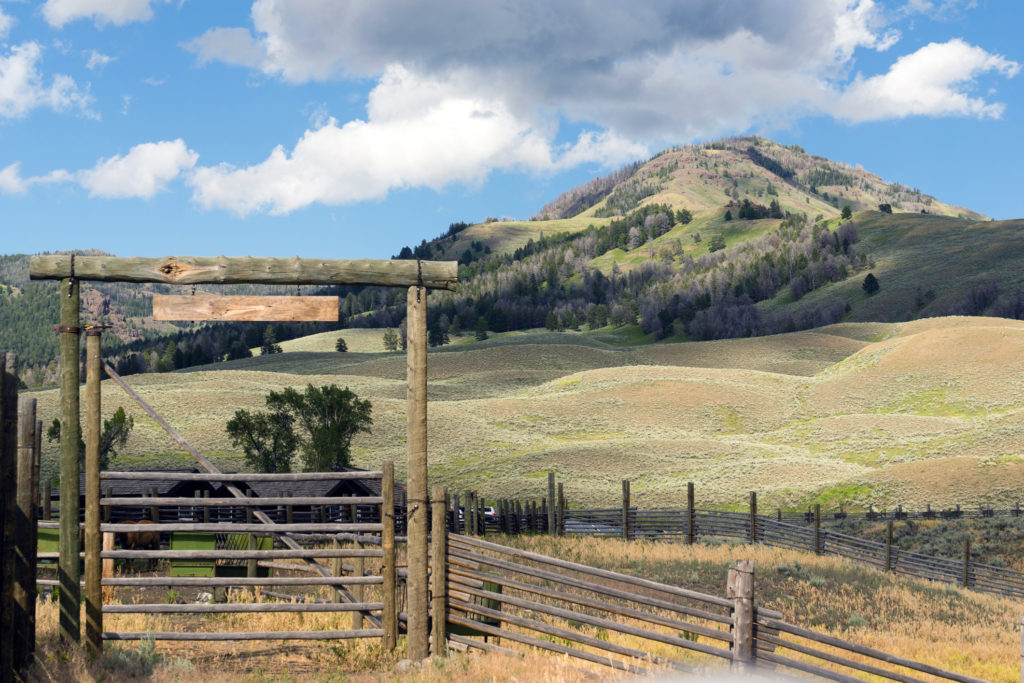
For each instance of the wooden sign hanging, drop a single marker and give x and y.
(245, 308)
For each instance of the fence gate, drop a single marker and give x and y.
(332, 529)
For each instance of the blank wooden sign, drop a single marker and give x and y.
(244, 308)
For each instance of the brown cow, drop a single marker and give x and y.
(140, 540)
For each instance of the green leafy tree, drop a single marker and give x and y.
(885, 208)
(717, 244)
(340, 345)
(328, 418)
(390, 340)
(267, 439)
(870, 284)
(551, 321)
(270, 344)
(481, 329)
(113, 437)
(847, 213)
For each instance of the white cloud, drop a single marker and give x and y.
(11, 181)
(933, 81)
(6, 22)
(418, 134)
(97, 60)
(145, 170)
(118, 12)
(234, 46)
(22, 88)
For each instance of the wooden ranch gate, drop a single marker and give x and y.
(70, 269)
(380, 614)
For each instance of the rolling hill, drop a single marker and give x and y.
(921, 412)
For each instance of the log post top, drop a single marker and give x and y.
(186, 270)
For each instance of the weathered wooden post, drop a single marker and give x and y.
(689, 513)
(289, 511)
(8, 510)
(416, 356)
(626, 535)
(108, 564)
(389, 618)
(483, 517)
(965, 579)
(561, 510)
(154, 510)
(24, 593)
(358, 590)
(753, 516)
(740, 588)
(888, 546)
(69, 570)
(456, 523)
(206, 508)
(817, 529)
(47, 502)
(250, 565)
(552, 530)
(93, 592)
(439, 575)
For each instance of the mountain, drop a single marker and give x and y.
(740, 237)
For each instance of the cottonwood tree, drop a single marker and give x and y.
(327, 417)
(267, 439)
(113, 437)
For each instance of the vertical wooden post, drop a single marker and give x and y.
(47, 502)
(965, 579)
(34, 529)
(25, 545)
(358, 590)
(69, 569)
(416, 444)
(817, 529)
(689, 513)
(741, 589)
(8, 509)
(93, 593)
(520, 526)
(108, 564)
(251, 565)
(483, 517)
(289, 511)
(456, 524)
(474, 513)
(154, 510)
(625, 511)
(206, 509)
(753, 516)
(551, 504)
(388, 569)
(561, 510)
(439, 575)
(888, 547)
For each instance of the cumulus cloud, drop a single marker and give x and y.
(932, 81)
(118, 12)
(22, 88)
(417, 134)
(97, 60)
(11, 181)
(6, 22)
(142, 172)
(467, 89)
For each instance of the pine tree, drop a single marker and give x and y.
(270, 344)
(847, 213)
(340, 345)
(870, 284)
(390, 340)
(481, 329)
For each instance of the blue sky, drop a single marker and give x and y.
(349, 129)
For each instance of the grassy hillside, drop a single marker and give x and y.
(914, 413)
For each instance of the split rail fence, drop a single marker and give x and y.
(633, 624)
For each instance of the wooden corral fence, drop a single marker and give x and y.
(797, 532)
(487, 590)
(70, 269)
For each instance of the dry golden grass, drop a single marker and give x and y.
(859, 414)
(962, 631)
